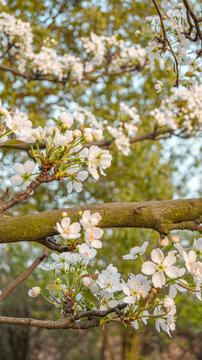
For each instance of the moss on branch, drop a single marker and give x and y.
(162, 216)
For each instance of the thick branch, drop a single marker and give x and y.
(15, 283)
(162, 216)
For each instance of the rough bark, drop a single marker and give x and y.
(162, 216)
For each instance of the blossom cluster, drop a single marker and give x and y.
(176, 25)
(65, 155)
(99, 49)
(149, 294)
(183, 109)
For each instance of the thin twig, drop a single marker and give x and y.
(165, 40)
(15, 283)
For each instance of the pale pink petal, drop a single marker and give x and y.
(69, 187)
(77, 186)
(75, 227)
(172, 272)
(16, 180)
(19, 168)
(65, 222)
(97, 244)
(29, 166)
(82, 175)
(98, 233)
(86, 216)
(169, 260)
(125, 289)
(59, 228)
(94, 151)
(157, 256)
(192, 256)
(94, 173)
(129, 300)
(95, 218)
(158, 279)
(148, 268)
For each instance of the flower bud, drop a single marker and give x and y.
(80, 213)
(148, 19)
(164, 241)
(3, 111)
(34, 292)
(66, 120)
(97, 134)
(168, 302)
(157, 300)
(64, 214)
(175, 238)
(77, 133)
(88, 134)
(154, 291)
(87, 281)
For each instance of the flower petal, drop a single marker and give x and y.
(16, 180)
(29, 166)
(65, 222)
(75, 227)
(157, 256)
(97, 244)
(125, 289)
(19, 168)
(148, 268)
(172, 272)
(129, 300)
(158, 279)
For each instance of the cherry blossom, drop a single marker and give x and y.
(68, 231)
(23, 174)
(92, 236)
(34, 292)
(136, 287)
(98, 159)
(161, 265)
(89, 220)
(137, 250)
(87, 252)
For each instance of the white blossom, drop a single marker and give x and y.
(34, 292)
(98, 159)
(68, 231)
(198, 245)
(161, 265)
(89, 220)
(137, 250)
(136, 287)
(23, 174)
(92, 236)
(87, 252)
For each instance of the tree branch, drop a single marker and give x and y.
(15, 283)
(162, 216)
(190, 14)
(165, 40)
(157, 134)
(68, 323)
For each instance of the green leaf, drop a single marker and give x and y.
(102, 320)
(189, 74)
(53, 287)
(14, 142)
(91, 298)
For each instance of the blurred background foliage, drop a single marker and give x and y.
(153, 171)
